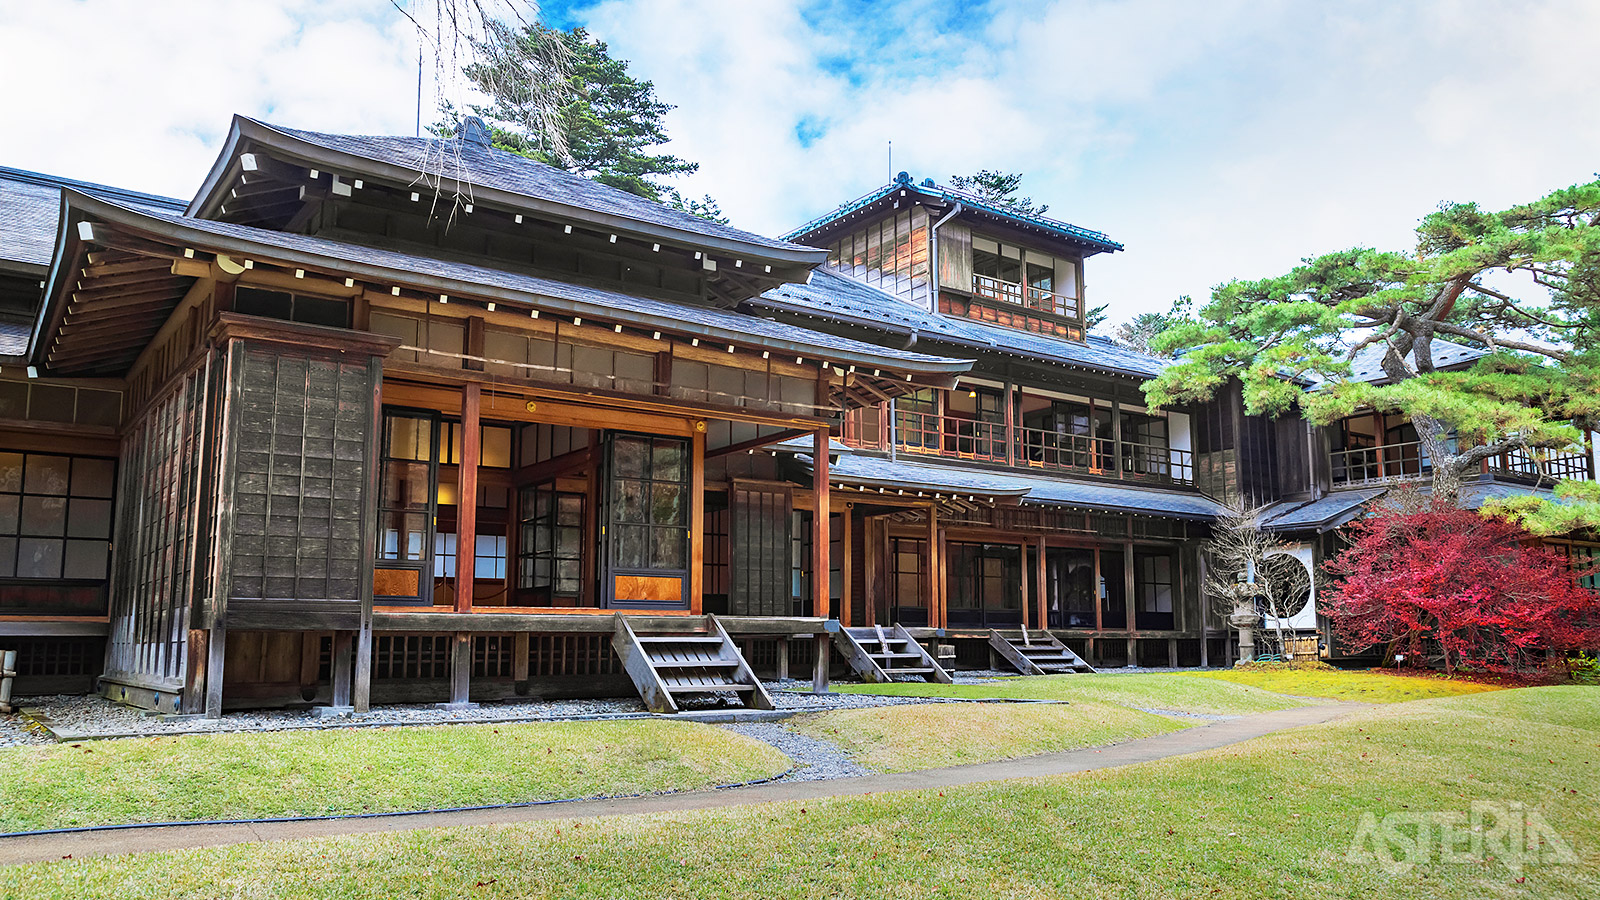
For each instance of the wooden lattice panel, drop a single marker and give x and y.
(301, 474)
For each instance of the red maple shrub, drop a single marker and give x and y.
(1446, 585)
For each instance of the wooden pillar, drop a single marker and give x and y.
(1099, 589)
(783, 659)
(846, 567)
(342, 659)
(519, 660)
(935, 571)
(1377, 441)
(1116, 435)
(1022, 580)
(591, 524)
(1041, 574)
(1011, 423)
(697, 519)
(361, 686)
(1129, 600)
(822, 645)
(1172, 652)
(872, 559)
(820, 532)
(460, 669)
(467, 497)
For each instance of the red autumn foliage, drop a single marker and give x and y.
(1447, 585)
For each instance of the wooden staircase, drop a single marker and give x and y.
(877, 654)
(698, 659)
(1037, 653)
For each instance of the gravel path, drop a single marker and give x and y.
(94, 716)
(814, 759)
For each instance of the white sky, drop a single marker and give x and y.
(1215, 140)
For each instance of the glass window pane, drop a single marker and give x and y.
(402, 535)
(10, 512)
(39, 558)
(629, 457)
(405, 485)
(630, 501)
(8, 557)
(10, 472)
(668, 463)
(666, 506)
(44, 515)
(89, 518)
(668, 552)
(632, 549)
(47, 474)
(496, 447)
(86, 559)
(92, 477)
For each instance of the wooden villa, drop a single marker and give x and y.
(388, 419)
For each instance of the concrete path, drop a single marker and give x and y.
(39, 848)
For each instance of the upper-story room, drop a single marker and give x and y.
(954, 252)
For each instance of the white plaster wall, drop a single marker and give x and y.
(1306, 619)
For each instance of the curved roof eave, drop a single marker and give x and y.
(176, 230)
(248, 129)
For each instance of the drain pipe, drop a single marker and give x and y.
(933, 254)
(8, 671)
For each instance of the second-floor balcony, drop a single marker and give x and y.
(1037, 448)
(1409, 460)
(1028, 296)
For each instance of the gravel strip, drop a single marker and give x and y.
(1178, 714)
(14, 733)
(88, 716)
(814, 759)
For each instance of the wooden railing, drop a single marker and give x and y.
(1409, 460)
(1037, 448)
(1026, 296)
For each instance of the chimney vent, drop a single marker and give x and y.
(474, 131)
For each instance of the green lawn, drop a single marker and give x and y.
(903, 738)
(1167, 692)
(1339, 684)
(363, 770)
(1274, 817)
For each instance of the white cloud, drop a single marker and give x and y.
(1215, 140)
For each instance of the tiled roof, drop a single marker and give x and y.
(972, 201)
(1367, 365)
(30, 205)
(476, 166)
(723, 325)
(835, 297)
(14, 338)
(857, 468)
(1326, 512)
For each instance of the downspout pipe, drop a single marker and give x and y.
(933, 253)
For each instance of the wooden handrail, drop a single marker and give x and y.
(1037, 298)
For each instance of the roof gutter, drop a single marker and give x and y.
(933, 255)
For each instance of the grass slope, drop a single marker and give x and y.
(363, 770)
(1273, 817)
(1336, 684)
(903, 738)
(1167, 692)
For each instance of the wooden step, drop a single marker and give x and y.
(872, 652)
(1037, 653)
(703, 661)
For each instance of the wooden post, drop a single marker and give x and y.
(1039, 590)
(467, 498)
(1011, 423)
(871, 559)
(821, 645)
(519, 658)
(1022, 580)
(1130, 602)
(460, 670)
(591, 524)
(343, 641)
(935, 571)
(361, 686)
(1116, 434)
(1378, 437)
(697, 519)
(820, 531)
(783, 659)
(846, 569)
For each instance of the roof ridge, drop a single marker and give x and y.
(26, 176)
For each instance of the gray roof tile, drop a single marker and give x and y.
(1331, 510)
(471, 165)
(14, 337)
(30, 206)
(858, 468)
(836, 297)
(722, 324)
